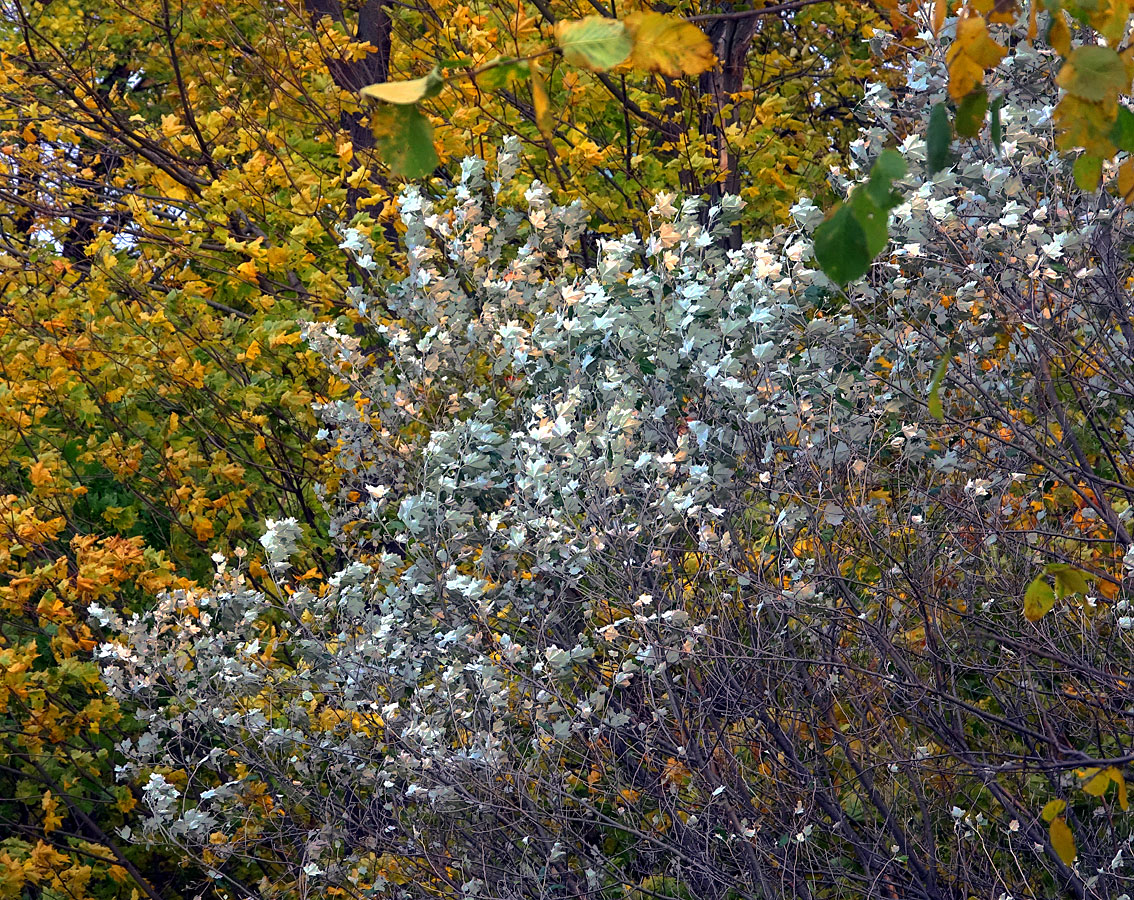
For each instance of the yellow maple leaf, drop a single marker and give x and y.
(203, 528)
(971, 54)
(668, 45)
(289, 338)
(51, 817)
(40, 475)
(277, 256)
(248, 270)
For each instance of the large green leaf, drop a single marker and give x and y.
(847, 242)
(970, 113)
(1094, 73)
(596, 42)
(937, 139)
(403, 137)
(840, 247)
(871, 218)
(889, 167)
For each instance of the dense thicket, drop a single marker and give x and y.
(621, 539)
(682, 573)
(174, 177)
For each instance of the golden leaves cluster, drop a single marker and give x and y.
(1093, 75)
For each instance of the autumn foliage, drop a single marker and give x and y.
(175, 178)
(444, 453)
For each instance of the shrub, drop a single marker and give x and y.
(680, 573)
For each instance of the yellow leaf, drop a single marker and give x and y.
(1095, 74)
(51, 818)
(1059, 35)
(1039, 599)
(1126, 187)
(1086, 124)
(1097, 781)
(40, 475)
(1109, 19)
(940, 11)
(248, 270)
(1117, 777)
(1053, 809)
(277, 256)
(1063, 841)
(996, 12)
(119, 874)
(541, 104)
(668, 45)
(970, 55)
(405, 93)
(203, 528)
(290, 339)
(170, 126)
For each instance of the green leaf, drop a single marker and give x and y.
(970, 113)
(856, 232)
(1122, 135)
(935, 409)
(871, 218)
(406, 92)
(937, 139)
(1039, 598)
(403, 137)
(1052, 809)
(1087, 171)
(71, 451)
(840, 247)
(596, 42)
(995, 127)
(890, 165)
(502, 74)
(886, 169)
(1068, 579)
(1095, 73)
